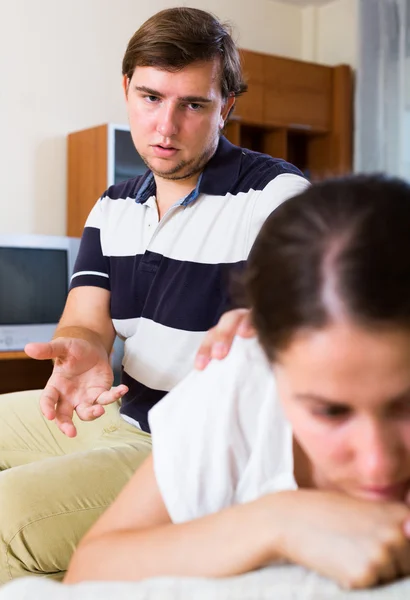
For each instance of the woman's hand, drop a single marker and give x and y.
(218, 340)
(357, 543)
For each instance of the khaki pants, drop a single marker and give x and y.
(53, 488)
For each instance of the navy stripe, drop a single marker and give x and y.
(125, 189)
(234, 170)
(258, 170)
(90, 256)
(179, 294)
(91, 280)
(222, 170)
(138, 400)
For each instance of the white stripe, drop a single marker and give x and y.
(131, 421)
(275, 193)
(125, 328)
(79, 273)
(222, 229)
(158, 356)
(124, 226)
(95, 216)
(213, 230)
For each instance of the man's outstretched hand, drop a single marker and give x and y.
(81, 381)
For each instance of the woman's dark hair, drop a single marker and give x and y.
(339, 249)
(177, 37)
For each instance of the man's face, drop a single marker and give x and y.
(176, 117)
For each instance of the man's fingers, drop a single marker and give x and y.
(203, 356)
(48, 400)
(51, 409)
(218, 341)
(45, 351)
(87, 412)
(64, 418)
(229, 322)
(67, 427)
(246, 329)
(112, 395)
(39, 351)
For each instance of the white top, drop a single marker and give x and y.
(220, 436)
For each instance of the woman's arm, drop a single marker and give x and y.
(355, 542)
(135, 539)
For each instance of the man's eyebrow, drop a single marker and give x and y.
(147, 90)
(195, 99)
(188, 99)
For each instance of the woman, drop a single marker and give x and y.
(296, 449)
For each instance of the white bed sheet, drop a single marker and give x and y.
(274, 583)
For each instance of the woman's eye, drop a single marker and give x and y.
(332, 412)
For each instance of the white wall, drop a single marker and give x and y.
(329, 33)
(60, 71)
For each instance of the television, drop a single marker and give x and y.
(35, 272)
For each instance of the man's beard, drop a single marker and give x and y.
(186, 168)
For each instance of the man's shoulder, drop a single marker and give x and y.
(235, 170)
(258, 169)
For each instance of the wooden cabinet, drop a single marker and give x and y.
(296, 110)
(285, 92)
(18, 372)
(299, 111)
(297, 95)
(87, 162)
(96, 158)
(250, 108)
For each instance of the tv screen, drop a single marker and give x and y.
(128, 163)
(33, 285)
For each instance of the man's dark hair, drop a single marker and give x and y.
(177, 37)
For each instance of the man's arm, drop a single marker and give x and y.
(87, 316)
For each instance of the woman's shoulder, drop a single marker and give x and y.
(224, 385)
(220, 436)
(205, 432)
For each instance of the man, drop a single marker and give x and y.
(154, 267)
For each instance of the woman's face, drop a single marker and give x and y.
(346, 392)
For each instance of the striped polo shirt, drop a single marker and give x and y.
(169, 279)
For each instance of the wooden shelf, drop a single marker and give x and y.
(19, 372)
(13, 355)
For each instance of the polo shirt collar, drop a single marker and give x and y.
(217, 178)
